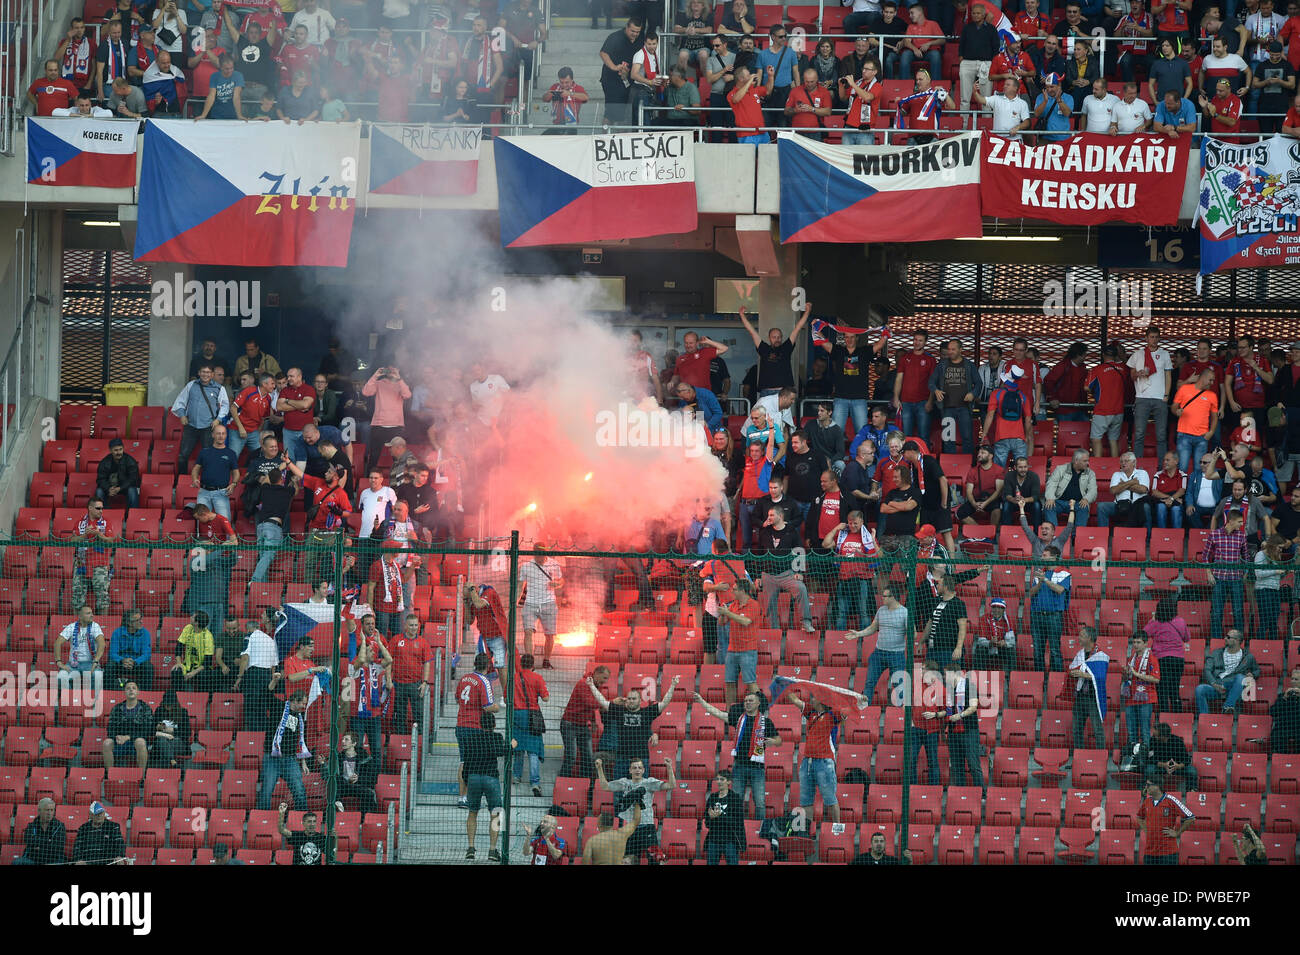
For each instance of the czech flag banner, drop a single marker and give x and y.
(879, 193)
(255, 194)
(1249, 209)
(76, 151)
(840, 700)
(558, 190)
(424, 161)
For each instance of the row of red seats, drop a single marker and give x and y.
(193, 788)
(147, 422)
(142, 855)
(683, 841)
(238, 749)
(197, 828)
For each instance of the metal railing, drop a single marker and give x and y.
(18, 371)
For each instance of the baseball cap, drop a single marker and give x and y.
(116, 443)
(924, 531)
(97, 807)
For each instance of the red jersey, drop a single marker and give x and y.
(993, 628)
(1193, 369)
(1167, 483)
(720, 570)
(744, 638)
(914, 118)
(748, 109)
(985, 480)
(409, 658)
(582, 706)
(1167, 812)
(1229, 106)
(473, 696)
(1251, 441)
(1147, 664)
(886, 473)
(819, 98)
(862, 113)
(1247, 386)
(201, 75)
(1004, 430)
(1002, 64)
(693, 367)
(394, 95)
(387, 578)
(529, 688)
(253, 406)
(749, 482)
(861, 544)
(1133, 44)
(266, 19)
(294, 665)
(1289, 33)
(541, 852)
(324, 498)
(292, 59)
(1106, 384)
(823, 734)
(829, 515)
(52, 94)
(296, 420)
(1027, 28)
(1028, 383)
(217, 529)
(491, 619)
(915, 370)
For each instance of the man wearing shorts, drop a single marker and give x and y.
(130, 727)
(475, 701)
(483, 784)
(817, 768)
(541, 578)
(484, 604)
(742, 648)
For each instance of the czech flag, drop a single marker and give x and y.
(879, 193)
(256, 194)
(998, 19)
(558, 190)
(840, 700)
(424, 161)
(78, 151)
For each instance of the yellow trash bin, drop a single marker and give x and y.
(125, 394)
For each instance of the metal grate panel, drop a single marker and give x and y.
(105, 315)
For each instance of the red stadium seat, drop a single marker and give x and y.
(147, 422)
(162, 787)
(75, 422)
(1121, 809)
(884, 804)
(833, 847)
(85, 785)
(1117, 847)
(1077, 843)
(1198, 848)
(1282, 813)
(148, 825)
(1010, 767)
(1037, 846)
(1043, 807)
(110, 421)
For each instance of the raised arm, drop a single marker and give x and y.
(753, 332)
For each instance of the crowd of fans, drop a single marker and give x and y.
(260, 60)
(1174, 69)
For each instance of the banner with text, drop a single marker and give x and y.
(879, 193)
(424, 161)
(1249, 209)
(78, 151)
(254, 193)
(1085, 180)
(556, 190)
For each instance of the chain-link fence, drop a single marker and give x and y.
(988, 706)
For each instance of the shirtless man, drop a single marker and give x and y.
(608, 845)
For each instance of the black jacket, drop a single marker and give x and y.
(127, 472)
(46, 846)
(137, 723)
(98, 844)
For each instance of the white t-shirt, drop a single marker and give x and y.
(1099, 113)
(261, 650)
(647, 68)
(97, 112)
(178, 25)
(1264, 28)
(1152, 386)
(538, 579)
(319, 25)
(488, 395)
(772, 405)
(1205, 497)
(1007, 113)
(1129, 116)
(1230, 62)
(373, 504)
(82, 641)
(1138, 475)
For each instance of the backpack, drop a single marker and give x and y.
(1012, 406)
